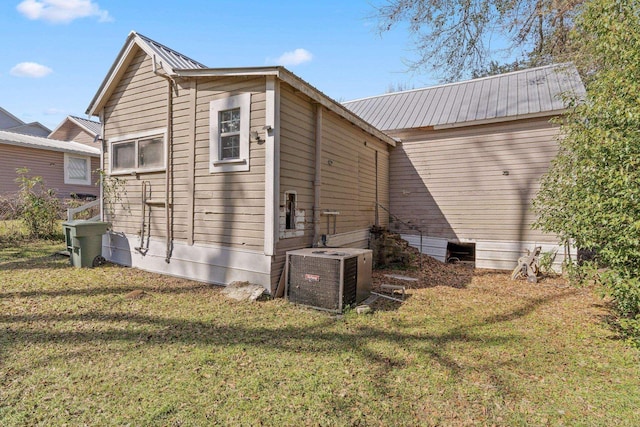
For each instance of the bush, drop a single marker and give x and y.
(589, 197)
(625, 295)
(39, 206)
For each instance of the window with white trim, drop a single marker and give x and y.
(229, 133)
(141, 152)
(77, 169)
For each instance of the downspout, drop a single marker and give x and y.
(103, 144)
(377, 214)
(317, 182)
(168, 172)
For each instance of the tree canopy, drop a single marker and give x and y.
(458, 38)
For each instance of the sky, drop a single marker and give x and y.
(56, 53)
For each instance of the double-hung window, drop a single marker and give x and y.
(229, 133)
(142, 152)
(77, 169)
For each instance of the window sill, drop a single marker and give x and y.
(136, 172)
(230, 162)
(73, 182)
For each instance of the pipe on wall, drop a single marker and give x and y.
(103, 147)
(317, 182)
(168, 171)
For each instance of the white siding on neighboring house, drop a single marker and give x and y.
(48, 163)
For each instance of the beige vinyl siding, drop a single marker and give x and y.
(349, 174)
(138, 104)
(348, 184)
(229, 206)
(297, 168)
(473, 183)
(45, 163)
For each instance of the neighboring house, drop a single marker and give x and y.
(79, 130)
(11, 123)
(470, 160)
(67, 167)
(222, 170)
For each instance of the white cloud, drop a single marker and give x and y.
(295, 57)
(30, 69)
(62, 11)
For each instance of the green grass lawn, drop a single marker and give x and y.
(76, 348)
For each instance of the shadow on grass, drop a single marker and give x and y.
(364, 340)
(54, 261)
(107, 290)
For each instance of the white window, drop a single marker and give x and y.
(142, 152)
(229, 133)
(77, 169)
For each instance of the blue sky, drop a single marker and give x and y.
(55, 53)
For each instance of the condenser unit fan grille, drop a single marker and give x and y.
(316, 281)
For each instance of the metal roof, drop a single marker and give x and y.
(520, 94)
(8, 120)
(298, 84)
(177, 64)
(90, 126)
(34, 128)
(13, 124)
(168, 57)
(30, 141)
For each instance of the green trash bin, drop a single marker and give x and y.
(84, 242)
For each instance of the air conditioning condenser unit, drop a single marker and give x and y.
(328, 278)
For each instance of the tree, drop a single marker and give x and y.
(454, 37)
(591, 194)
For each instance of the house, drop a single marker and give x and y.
(77, 129)
(463, 177)
(67, 167)
(11, 123)
(219, 171)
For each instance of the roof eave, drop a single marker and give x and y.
(229, 72)
(297, 83)
(503, 119)
(100, 96)
(90, 153)
(333, 106)
(117, 69)
(82, 126)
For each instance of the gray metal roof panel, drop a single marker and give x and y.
(90, 125)
(41, 143)
(175, 60)
(412, 106)
(511, 95)
(8, 120)
(484, 97)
